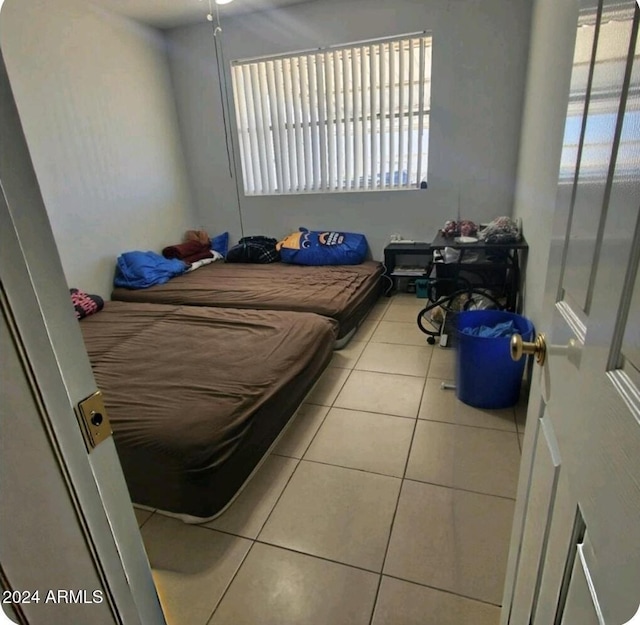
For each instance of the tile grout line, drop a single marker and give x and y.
(484, 427)
(395, 512)
(146, 520)
(330, 407)
(345, 564)
(235, 574)
(371, 412)
(398, 477)
(444, 590)
(463, 490)
(256, 540)
(233, 577)
(317, 557)
(402, 479)
(407, 375)
(468, 425)
(341, 466)
(253, 540)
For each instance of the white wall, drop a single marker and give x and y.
(479, 66)
(553, 33)
(95, 98)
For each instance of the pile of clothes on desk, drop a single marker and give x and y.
(500, 230)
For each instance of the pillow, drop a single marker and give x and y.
(220, 243)
(323, 248)
(85, 304)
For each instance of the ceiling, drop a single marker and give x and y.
(170, 13)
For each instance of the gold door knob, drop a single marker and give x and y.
(519, 348)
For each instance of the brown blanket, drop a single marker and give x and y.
(185, 387)
(342, 292)
(189, 252)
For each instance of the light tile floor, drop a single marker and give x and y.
(386, 502)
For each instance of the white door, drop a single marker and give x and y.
(70, 549)
(575, 549)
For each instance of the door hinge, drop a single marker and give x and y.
(94, 421)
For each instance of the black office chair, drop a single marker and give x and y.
(461, 288)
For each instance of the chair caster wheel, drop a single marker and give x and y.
(431, 341)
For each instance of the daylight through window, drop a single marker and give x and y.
(352, 118)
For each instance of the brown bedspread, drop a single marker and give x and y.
(342, 292)
(185, 387)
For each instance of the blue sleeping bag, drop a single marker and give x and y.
(323, 248)
(139, 270)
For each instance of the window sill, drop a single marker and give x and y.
(336, 192)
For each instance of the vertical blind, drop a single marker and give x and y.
(347, 119)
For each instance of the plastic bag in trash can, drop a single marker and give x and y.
(507, 328)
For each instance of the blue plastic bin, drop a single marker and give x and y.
(486, 376)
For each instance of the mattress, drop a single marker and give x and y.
(197, 395)
(342, 292)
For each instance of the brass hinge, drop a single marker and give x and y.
(94, 421)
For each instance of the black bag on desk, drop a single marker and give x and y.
(257, 249)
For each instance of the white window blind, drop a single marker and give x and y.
(352, 118)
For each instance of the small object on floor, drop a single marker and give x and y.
(437, 314)
(448, 386)
(448, 329)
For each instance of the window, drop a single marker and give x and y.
(352, 118)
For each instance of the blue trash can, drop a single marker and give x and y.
(486, 376)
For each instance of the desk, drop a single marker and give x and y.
(424, 259)
(497, 266)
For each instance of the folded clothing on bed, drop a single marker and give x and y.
(207, 260)
(189, 252)
(139, 270)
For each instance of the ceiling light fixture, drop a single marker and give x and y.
(223, 1)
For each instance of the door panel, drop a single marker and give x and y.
(631, 340)
(565, 531)
(590, 569)
(580, 80)
(542, 493)
(612, 48)
(581, 604)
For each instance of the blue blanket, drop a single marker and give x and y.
(506, 328)
(139, 270)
